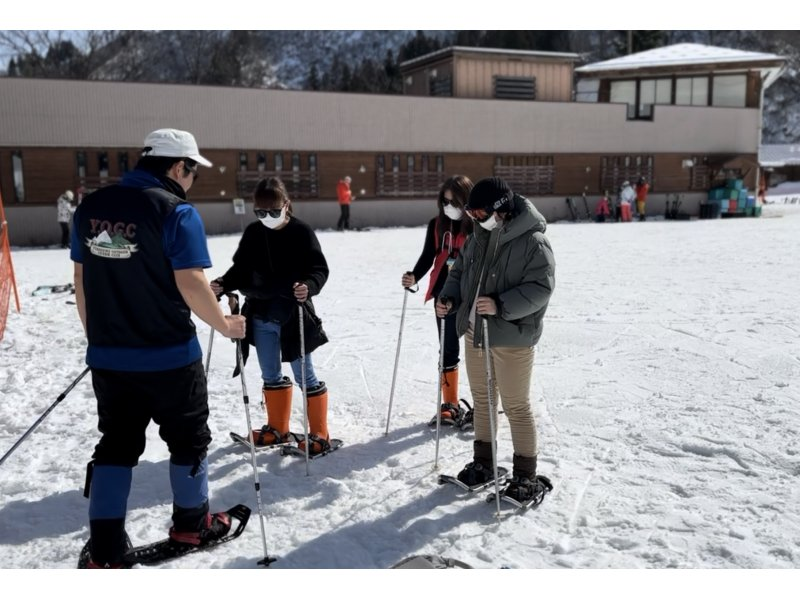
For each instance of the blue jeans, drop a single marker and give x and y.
(267, 338)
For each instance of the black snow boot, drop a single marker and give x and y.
(523, 485)
(479, 471)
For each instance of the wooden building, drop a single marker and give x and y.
(488, 73)
(57, 135)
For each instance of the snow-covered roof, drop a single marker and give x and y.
(679, 55)
(779, 155)
(566, 56)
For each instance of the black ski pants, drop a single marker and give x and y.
(452, 345)
(176, 400)
(344, 217)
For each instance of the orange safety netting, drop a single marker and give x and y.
(7, 280)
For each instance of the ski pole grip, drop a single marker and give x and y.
(233, 303)
(409, 289)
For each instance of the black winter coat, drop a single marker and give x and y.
(265, 268)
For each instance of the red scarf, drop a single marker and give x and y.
(445, 248)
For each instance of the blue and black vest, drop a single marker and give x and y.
(132, 299)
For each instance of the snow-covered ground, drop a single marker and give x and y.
(665, 390)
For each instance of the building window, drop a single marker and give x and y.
(81, 158)
(299, 183)
(700, 173)
(412, 182)
(691, 91)
(729, 90)
(515, 88)
(441, 86)
(616, 169)
(122, 162)
(624, 92)
(528, 175)
(19, 177)
(102, 164)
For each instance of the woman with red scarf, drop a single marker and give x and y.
(443, 242)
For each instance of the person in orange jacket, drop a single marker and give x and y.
(642, 188)
(345, 197)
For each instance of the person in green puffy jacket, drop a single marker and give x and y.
(505, 273)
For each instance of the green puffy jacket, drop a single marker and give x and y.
(519, 274)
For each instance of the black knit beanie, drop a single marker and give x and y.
(492, 195)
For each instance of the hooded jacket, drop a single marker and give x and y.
(518, 269)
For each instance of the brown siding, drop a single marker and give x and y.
(420, 84)
(474, 78)
(753, 93)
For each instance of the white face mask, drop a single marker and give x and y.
(273, 223)
(453, 213)
(490, 223)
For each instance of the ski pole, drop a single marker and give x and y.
(490, 400)
(208, 354)
(397, 355)
(303, 379)
(439, 393)
(233, 302)
(45, 414)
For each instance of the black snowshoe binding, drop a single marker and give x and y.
(454, 415)
(526, 492)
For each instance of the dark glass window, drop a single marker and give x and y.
(19, 177)
(81, 158)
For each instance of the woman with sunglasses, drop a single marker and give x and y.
(443, 242)
(505, 273)
(278, 264)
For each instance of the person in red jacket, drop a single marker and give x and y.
(642, 188)
(345, 197)
(444, 239)
(602, 210)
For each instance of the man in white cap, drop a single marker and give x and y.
(139, 250)
(65, 211)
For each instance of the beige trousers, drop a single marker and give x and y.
(512, 371)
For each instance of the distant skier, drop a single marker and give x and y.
(65, 211)
(626, 196)
(642, 189)
(444, 239)
(506, 272)
(602, 211)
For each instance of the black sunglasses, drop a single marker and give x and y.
(451, 202)
(274, 213)
(187, 169)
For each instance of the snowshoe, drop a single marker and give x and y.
(451, 415)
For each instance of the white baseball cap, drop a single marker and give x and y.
(172, 143)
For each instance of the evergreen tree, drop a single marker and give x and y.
(642, 40)
(313, 83)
